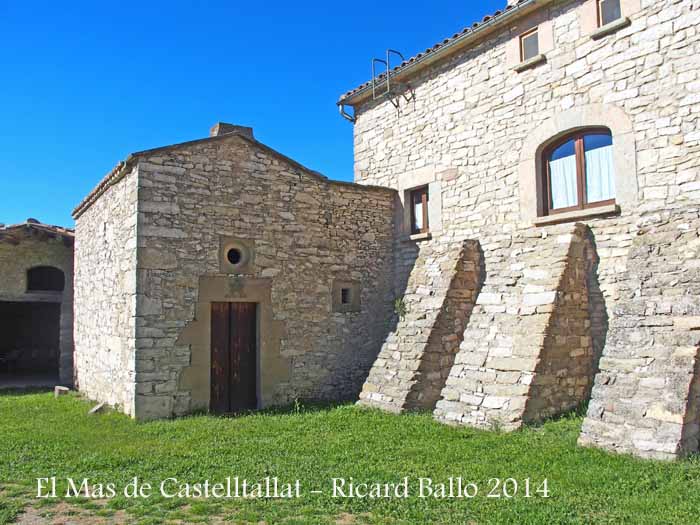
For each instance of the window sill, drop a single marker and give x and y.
(609, 209)
(417, 237)
(530, 63)
(610, 28)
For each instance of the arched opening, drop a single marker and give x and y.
(45, 279)
(563, 124)
(578, 171)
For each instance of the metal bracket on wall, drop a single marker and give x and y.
(390, 90)
(345, 114)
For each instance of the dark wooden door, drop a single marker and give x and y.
(233, 357)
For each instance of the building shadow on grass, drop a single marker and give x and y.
(24, 391)
(299, 407)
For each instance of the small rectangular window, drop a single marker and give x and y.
(345, 296)
(608, 11)
(529, 45)
(419, 211)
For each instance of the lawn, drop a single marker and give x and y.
(42, 437)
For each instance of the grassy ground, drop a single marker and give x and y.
(43, 437)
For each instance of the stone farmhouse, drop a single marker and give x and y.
(522, 237)
(218, 274)
(36, 304)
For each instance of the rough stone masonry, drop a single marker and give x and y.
(446, 278)
(26, 352)
(611, 293)
(151, 258)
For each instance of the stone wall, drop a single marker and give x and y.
(304, 233)
(38, 249)
(471, 116)
(646, 397)
(105, 295)
(478, 127)
(527, 352)
(418, 354)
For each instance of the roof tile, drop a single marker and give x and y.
(430, 50)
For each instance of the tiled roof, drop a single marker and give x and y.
(12, 233)
(116, 173)
(476, 26)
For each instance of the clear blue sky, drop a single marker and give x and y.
(83, 84)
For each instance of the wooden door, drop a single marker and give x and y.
(233, 357)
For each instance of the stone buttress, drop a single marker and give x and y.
(527, 352)
(646, 398)
(416, 358)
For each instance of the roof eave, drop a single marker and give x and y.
(461, 42)
(12, 234)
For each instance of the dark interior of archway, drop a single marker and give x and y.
(29, 338)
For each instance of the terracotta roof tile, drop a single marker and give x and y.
(431, 50)
(12, 233)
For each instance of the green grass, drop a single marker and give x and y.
(41, 436)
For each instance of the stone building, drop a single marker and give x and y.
(547, 164)
(219, 274)
(521, 238)
(36, 304)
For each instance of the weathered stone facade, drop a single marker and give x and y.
(500, 315)
(527, 352)
(647, 395)
(167, 216)
(35, 245)
(469, 120)
(418, 354)
(105, 296)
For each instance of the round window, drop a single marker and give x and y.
(234, 256)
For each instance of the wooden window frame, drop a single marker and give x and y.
(522, 42)
(577, 137)
(599, 8)
(423, 192)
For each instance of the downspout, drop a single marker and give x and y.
(345, 114)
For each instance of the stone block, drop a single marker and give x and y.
(60, 391)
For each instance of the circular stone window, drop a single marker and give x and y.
(234, 256)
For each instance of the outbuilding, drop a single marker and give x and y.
(36, 305)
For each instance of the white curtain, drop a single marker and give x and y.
(600, 174)
(418, 215)
(563, 175)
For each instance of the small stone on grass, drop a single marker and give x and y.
(60, 391)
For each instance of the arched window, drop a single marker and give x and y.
(45, 279)
(579, 171)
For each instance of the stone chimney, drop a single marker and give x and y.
(222, 128)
